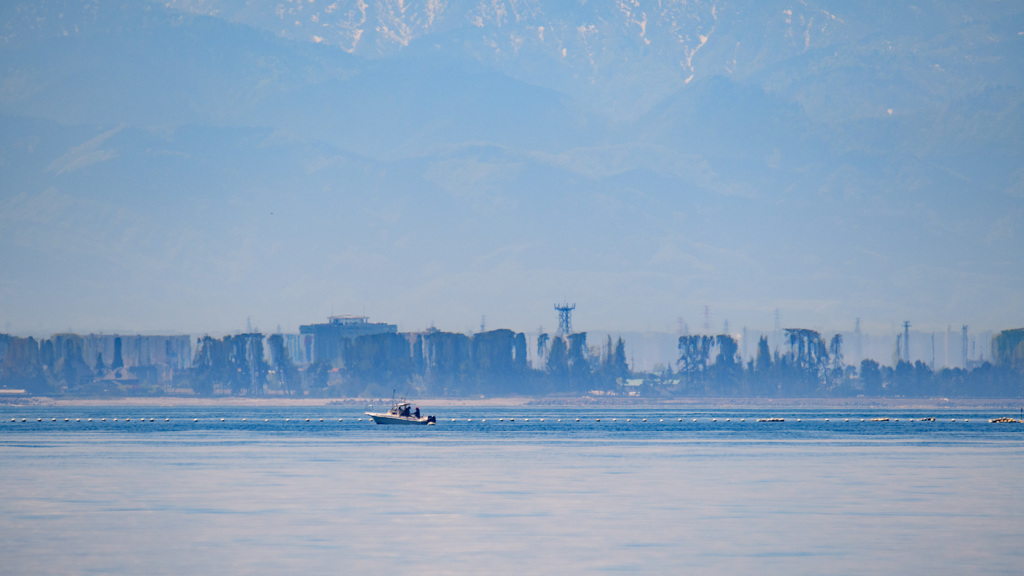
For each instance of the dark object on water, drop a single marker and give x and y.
(400, 413)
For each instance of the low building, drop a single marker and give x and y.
(329, 339)
(632, 386)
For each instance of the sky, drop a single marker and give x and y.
(201, 166)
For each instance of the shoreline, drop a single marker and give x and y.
(1013, 404)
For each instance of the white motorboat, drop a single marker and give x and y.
(401, 413)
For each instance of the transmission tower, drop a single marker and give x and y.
(963, 345)
(684, 330)
(565, 318)
(906, 340)
(860, 345)
(933, 351)
(778, 331)
(949, 330)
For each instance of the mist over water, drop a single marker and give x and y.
(275, 494)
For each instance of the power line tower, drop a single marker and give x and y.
(906, 340)
(949, 330)
(859, 343)
(963, 344)
(565, 318)
(933, 351)
(777, 334)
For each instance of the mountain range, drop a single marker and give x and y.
(182, 165)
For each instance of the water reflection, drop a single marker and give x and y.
(264, 491)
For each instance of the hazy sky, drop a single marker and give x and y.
(184, 168)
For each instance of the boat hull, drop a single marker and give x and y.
(391, 419)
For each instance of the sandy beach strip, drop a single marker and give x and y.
(575, 402)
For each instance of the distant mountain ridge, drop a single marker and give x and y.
(632, 53)
(709, 149)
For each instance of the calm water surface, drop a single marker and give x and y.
(275, 494)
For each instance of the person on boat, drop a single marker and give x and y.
(417, 412)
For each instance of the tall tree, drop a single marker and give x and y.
(281, 362)
(494, 360)
(1008, 349)
(727, 368)
(694, 356)
(762, 371)
(317, 375)
(579, 366)
(118, 362)
(763, 360)
(519, 351)
(871, 377)
(209, 367)
(558, 359)
(383, 359)
(448, 362)
(837, 368)
(70, 368)
(22, 367)
(619, 366)
(542, 344)
(806, 361)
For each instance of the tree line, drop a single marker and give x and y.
(813, 366)
(495, 363)
(447, 364)
(90, 365)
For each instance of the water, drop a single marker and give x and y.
(268, 496)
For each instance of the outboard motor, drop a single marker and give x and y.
(431, 420)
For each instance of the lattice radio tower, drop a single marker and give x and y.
(565, 318)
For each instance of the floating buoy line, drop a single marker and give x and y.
(620, 421)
